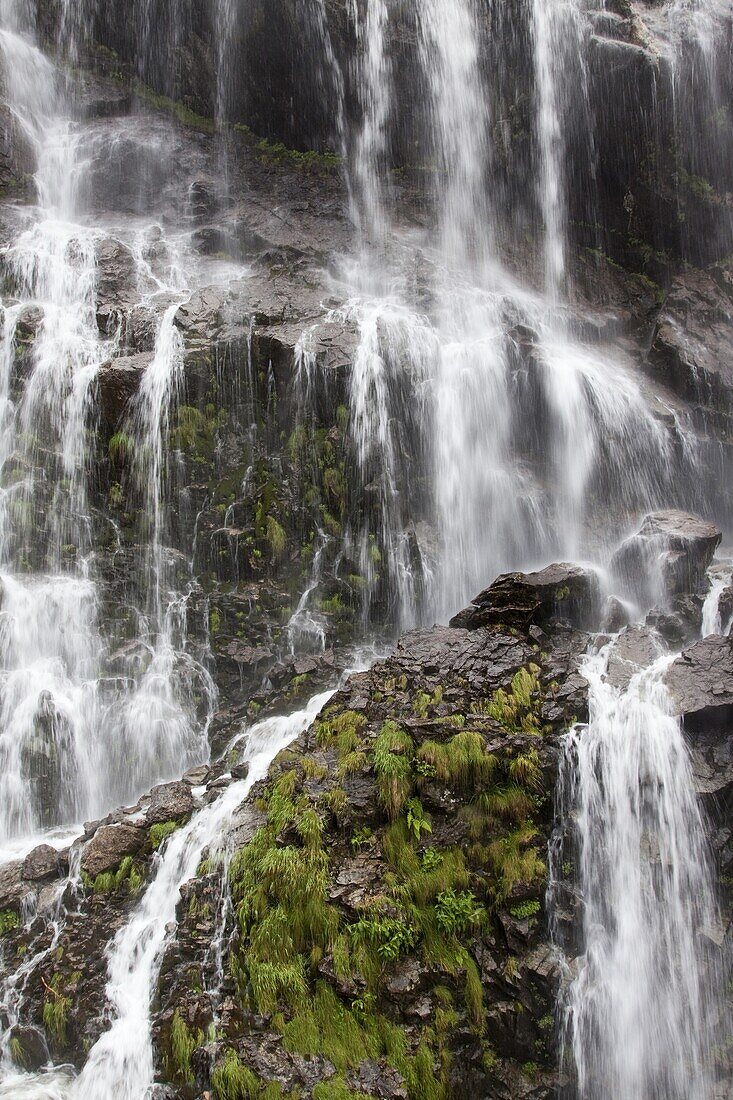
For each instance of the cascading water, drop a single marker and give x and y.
(72, 740)
(641, 1015)
(489, 428)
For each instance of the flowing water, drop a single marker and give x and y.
(492, 426)
(641, 1015)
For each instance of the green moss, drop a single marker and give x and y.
(56, 1008)
(120, 448)
(214, 621)
(393, 754)
(230, 1080)
(328, 1028)
(9, 921)
(161, 832)
(276, 538)
(184, 114)
(526, 910)
(183, 1042)
(341, 732)
(127, 875)
(17, 1053)
(463, 761)
(518, 710)
(336, 1089)
(276, 153)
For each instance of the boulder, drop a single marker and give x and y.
(118, 382)
(32, 1043)
(636, 648)
(13, 888)
(725, 607)
(117, 275)
(700, 683)
(197, 777)
(170, 802)
(42, 862)
(109, 846)
(615, 616)
(561, 591)
(668, 557)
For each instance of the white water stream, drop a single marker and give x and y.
(640, 1017)
(527, 439)
(120, 1064)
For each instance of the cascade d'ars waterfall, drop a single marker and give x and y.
(642, 1014)
(483, 424)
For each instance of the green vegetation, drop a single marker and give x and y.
(431, 899)
(183, 1042)
(9, 921)
(56, 1007)
(276, 537)
(526, 910)
(127, 875)
(275, 153)
(393, 755)
(231, 1080)
(120, 448)
(184, 114)
(517, 710)
(161, 832)
(17, 1053)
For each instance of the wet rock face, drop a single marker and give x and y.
(563, 591)
(414, 895)
(701, 684)
(667, 558)
(43, 862)
(109, 846)
(169, 802)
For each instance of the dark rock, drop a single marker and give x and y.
(725, 606)
(700, 683)
(561, 591)
(240, 771)
(109, 846)
(32, 1042)
(42, 862)
(169, 802)
(615, 616)
(197, 777)
(668, 557)
(13, 887)
(691, 347)
(117, 276)
(118, 382)
(636, 648)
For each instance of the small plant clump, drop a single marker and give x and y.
(108, 882)
(9, 921)
(183, 1042)
(161, 832)
(56, 1008)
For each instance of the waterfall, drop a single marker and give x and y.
(121, 1062)
(560, 78)
(488, 418)
(640, 1016)
(73, 741)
